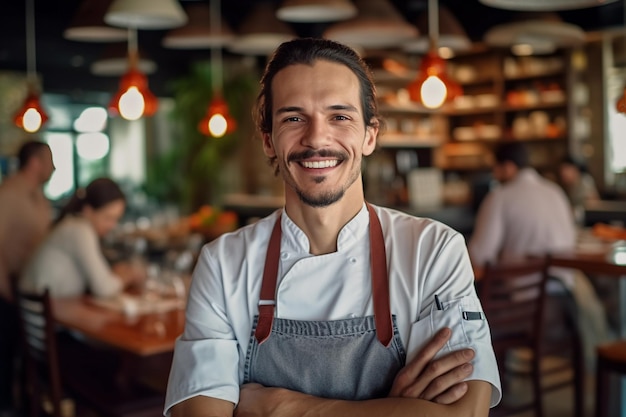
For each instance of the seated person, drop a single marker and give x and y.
(70, 260)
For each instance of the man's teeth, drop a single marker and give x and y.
(320, 164)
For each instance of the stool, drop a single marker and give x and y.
(611, 357)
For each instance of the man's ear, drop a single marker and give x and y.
(371, 135)
(268, 145)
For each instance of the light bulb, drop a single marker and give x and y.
(132, 104)
(433, 92)
(32, 120)
(218, 125)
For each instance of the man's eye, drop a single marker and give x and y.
(341, 117)
(293, 119)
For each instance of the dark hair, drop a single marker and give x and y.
(98, 193)
(28, 150)
(307, 51)
(514, 152)
(577, 163)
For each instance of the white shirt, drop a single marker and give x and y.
(425, 258)
(529, 215)
(70, 262)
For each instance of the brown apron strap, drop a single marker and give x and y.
(267, 301)
(380, 283)
(380, 280)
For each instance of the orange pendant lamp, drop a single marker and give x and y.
(217, 122)
(432, 87)
(133, 99)
(31, 116)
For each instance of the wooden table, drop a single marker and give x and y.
(143, 335)
(594, 264)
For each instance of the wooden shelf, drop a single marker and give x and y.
(401, 140)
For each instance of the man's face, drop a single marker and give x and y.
(504, 171)
(318, 132)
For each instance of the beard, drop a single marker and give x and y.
(325, 198)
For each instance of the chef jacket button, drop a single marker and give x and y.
(352, 315)
(353, 260)
(284, 255)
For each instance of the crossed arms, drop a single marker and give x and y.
(424, 387)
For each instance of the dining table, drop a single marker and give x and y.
(142, 338)
(606, 259)
(138, 333)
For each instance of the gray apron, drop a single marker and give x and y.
(351, 359)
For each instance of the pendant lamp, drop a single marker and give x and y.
(133, 99)
(261, 31)
(146, 14)
(198, 32)
(315, 11)
(217, 122)
(378, 25)
(544, 5)
(432, 87)
(88, 24)
(31, 116)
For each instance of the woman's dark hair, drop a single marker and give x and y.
(28, 150)
(307, 51)
(577, 163)
(97, 194)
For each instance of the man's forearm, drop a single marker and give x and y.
(270, 402)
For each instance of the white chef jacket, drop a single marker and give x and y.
(70, 262)
(529, 215)
(424, 257)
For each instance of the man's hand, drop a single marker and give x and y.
(440, 380)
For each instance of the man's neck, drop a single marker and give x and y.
(322, 225)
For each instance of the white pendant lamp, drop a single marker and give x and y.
(535, 34)
(88, 24)
(261, 32)
(315, 11)
(544, 5)
(377, 25)
(451, 37)
(146, 14)
(114, 62)
(198, 33)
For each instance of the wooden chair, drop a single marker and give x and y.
(54, 370)
(611, 358)
(513, 295)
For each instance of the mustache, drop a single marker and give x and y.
(310, 153)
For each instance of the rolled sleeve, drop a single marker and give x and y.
(471, 332)
(194, 373)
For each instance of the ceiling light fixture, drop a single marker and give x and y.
(316, 11)
(88, 24)
(535, 33)
(378, 25)
(217, 122)
(146, 14)
(451, 36)
(133, 99)
(432, 87)
(198, 33)
(31, 116)
(261, 32)
(544, 5)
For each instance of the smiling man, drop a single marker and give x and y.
(331, 306)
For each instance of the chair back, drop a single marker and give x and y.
(39, 350)
(513, 295)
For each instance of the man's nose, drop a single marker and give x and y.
(317, 133)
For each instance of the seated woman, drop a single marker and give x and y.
(70, 260)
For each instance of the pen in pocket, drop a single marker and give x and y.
(438, 303)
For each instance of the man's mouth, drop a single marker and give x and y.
(328, 163)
